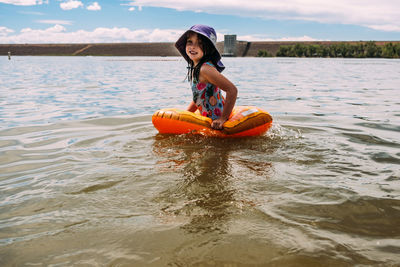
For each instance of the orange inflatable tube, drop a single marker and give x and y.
(244, 121)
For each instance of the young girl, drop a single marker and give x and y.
(198, 47)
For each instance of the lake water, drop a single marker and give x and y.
(85, 179)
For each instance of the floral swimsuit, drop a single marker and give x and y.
(208, 98)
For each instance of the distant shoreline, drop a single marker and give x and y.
(166, 49)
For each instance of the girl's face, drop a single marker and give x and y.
(194, 48)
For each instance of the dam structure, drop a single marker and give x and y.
(230, 47)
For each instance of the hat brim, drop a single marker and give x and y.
(181, 46)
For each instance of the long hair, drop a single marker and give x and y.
(209, 54)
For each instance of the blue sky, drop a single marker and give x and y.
(81, 21)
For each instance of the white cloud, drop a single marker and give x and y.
(386, 28)
(4, 31)
(375, 14)
(29, 35)
(59, 34)
(31, 13)
(71, 4)
(49, 21)
(23, 2)
(94, 7)
(264, 38)
(303, 38)
(133, 7)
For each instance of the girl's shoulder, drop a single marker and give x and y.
(209, 64)
(208, 68)
(208, 73)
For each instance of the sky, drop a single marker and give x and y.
(113, 21)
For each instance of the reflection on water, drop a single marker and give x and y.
(86, 180)
(204, 192)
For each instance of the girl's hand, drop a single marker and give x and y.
(218, 123)
(192, 107)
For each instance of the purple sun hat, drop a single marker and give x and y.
(210, 34)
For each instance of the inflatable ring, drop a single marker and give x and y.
(244, 121)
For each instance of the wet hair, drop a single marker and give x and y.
(210, 54)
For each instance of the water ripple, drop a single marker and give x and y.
(84, 174)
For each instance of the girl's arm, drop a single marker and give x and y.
(213, 76)
(192, 107)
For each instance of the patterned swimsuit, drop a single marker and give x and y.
(208, 98)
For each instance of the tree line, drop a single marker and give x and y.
(347, 50)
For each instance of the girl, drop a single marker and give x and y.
(198, 47)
